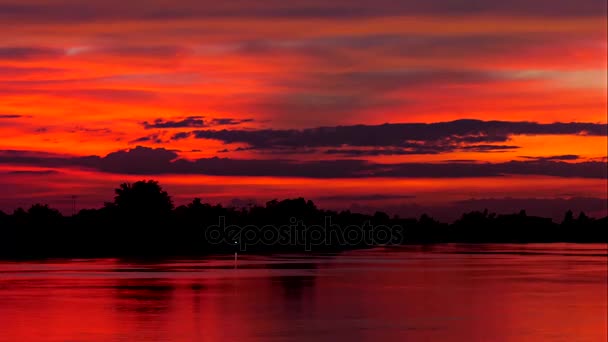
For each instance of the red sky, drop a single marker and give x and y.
(225, 101)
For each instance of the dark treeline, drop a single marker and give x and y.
(142, 221)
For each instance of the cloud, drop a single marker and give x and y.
(67, 11)
(488, 148)
(181, 135)
(11, 116)
(193, 121)
(139, 160)
(421, 148)
(366, 197)
(382, 152)
(229, 121)
(27, 53)
(554, 158)
(91, 131)
(147, 161)
(545, 168)
(404, 138)
(153, 138)
(33, 172)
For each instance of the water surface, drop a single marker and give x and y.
(535, 292)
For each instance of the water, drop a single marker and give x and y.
(538, 292)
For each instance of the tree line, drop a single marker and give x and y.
(142, 221)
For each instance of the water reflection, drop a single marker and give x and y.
(296, 287)
(143, 295)
(445, 292)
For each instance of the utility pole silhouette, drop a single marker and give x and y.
(73, 204)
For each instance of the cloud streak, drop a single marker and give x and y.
(27, 52)
(147, 161)
(193, 121)
(397, 139)
(112, 10)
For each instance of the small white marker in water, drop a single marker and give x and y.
(235, 254)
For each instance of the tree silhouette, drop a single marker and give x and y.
(42, 212)
(142, 222)
(582, 218)
(143, 198)
(568, 218)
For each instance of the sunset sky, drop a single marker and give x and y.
(407, 106)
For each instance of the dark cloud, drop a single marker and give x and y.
(193, 121)
(406, 135)
(147, 161)
(139, 160)
(29, 154)
(489, 148)
(229, 121)
(181, 135)
(111, 10)
(93, 131)
(381, 152)
(26, 53)
(554, 158)
(365, 197)
(10, 116)
(545, 168)
(460, 161)
(152, 138)
(33, 172)
(421, 148)
(279, 151)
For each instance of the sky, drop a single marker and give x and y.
(407, 106)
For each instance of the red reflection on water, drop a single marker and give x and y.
(499, 293)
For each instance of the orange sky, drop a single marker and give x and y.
(84, 79)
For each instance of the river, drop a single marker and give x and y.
(532, 292)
